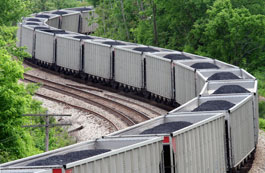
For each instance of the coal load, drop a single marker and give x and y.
(60, 12)
(227, 89)
(81, 9)
(204, 65)
(223, 76)
(40, 28)
(31, 23)
(113, 43)
(68, 157)
(167, 127)
(55, 31)
(214, 105)
(33, 20)
(43, 16)
(145, 49)
(83, 37)
(175, 56)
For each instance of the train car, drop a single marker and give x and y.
(46, 46)
(88, 17)
(68, 20)
(235, 87)
(119, 155)
(185, 76)
(129, 65)
(70, 52)
(193, 142)
(99, 58)
(239, 122)
(13, 170)
(159, 73)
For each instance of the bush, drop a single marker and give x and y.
(262, 109)
(262, 124)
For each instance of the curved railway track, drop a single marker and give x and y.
(79, 108)
(128, 115)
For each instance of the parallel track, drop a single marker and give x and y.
(119, 110)
(78, 108)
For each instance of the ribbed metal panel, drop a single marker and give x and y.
(70, 22)
(145, 159)
(159, 76)
(97, 59)
(242, 131)
(86, 16)
(44, 47)
(128, 68)
(54, 22)
(27, 38)
(201, 149)
(256, 119)
(184, 83)
(68, 53)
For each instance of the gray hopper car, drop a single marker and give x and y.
(240, 121)
(141, 155)
(202, 134)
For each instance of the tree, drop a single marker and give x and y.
(231, 35)
(11, 11)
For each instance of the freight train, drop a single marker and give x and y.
(214, 130)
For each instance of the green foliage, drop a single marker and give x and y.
(262, 124)
(262, 109)
(11, 11)
(46, 5)
(231, 35)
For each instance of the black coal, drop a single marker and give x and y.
(81, 9)
(214, 105)
(113, 43)
(32, 23)
(223, 76)
(68, 158)
(55, 31)
(33, 20)
(167, 127)
(43, 16)
(83, 37)
(145, 49)
(226, 89)
(175, 56)
(60, 12)
(40, 28)
(204, 65)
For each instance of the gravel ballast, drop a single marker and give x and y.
(145, 49)
(227, 89)
(214, 105)
(175, 56)
(204, 65)
(223, 76)
(167, 127)
(68, 157)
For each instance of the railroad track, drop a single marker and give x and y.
(133, 103)
(78, 108)
(124, 113)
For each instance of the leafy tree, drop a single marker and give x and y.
(231, 35)
(11, 11)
